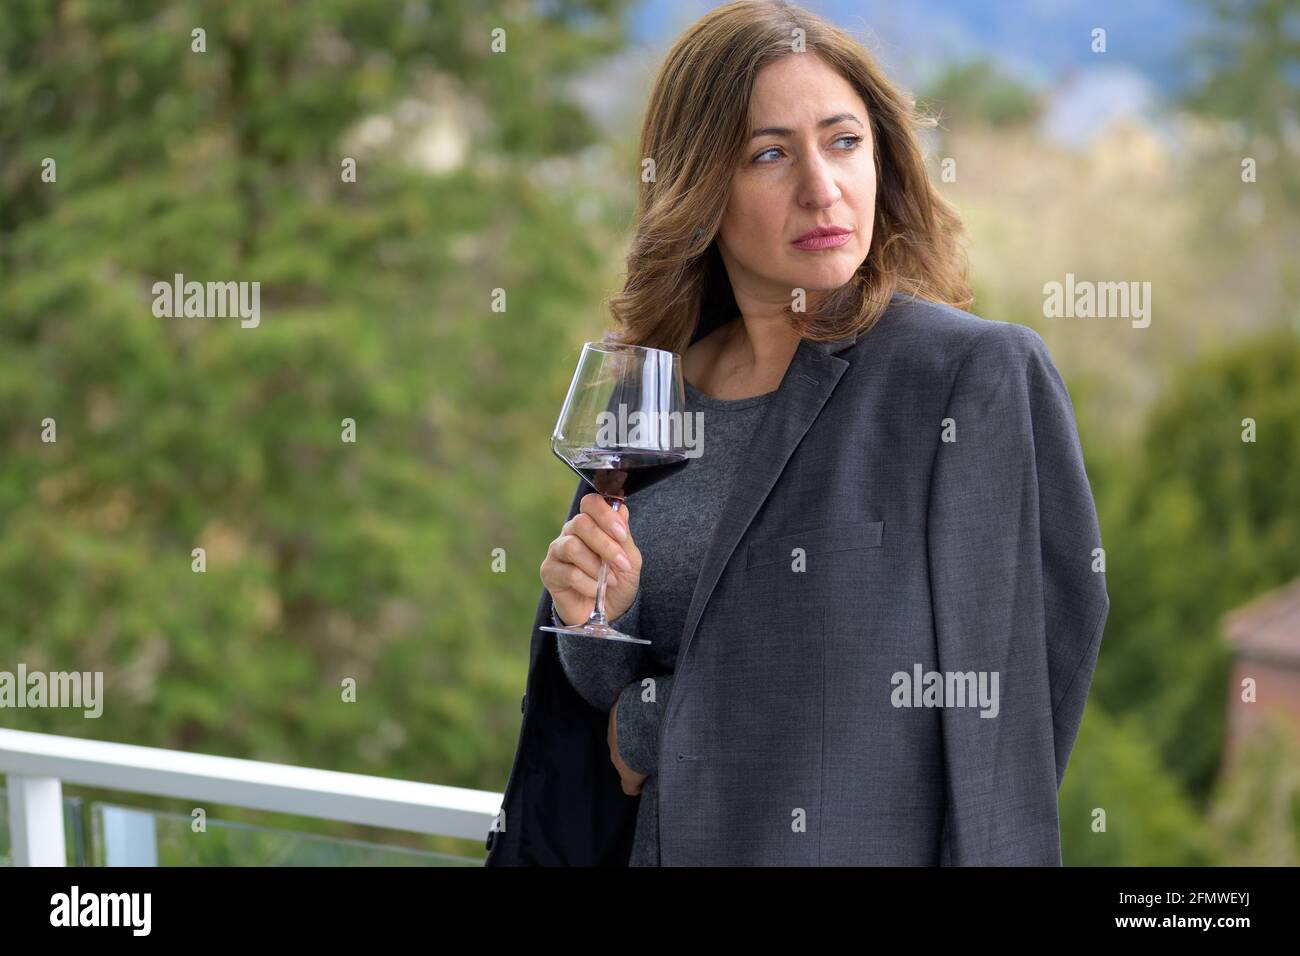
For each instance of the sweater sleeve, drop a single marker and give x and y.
(600, 669)
(638, 720)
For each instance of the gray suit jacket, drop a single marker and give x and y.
(914, 521)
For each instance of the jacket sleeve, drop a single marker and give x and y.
(1011, 534)
(563, 804)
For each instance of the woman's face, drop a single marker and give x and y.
(795, 176)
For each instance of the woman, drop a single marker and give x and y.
(873, 601)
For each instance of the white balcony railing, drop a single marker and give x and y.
(37, 765)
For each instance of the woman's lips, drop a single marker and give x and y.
(823, 242)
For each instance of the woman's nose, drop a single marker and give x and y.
(818, 187)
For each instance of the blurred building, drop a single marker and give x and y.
(1265, 637)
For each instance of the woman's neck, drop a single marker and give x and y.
(741, 359)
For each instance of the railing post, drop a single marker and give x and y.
(36, 820)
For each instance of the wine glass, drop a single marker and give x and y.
(622, 428)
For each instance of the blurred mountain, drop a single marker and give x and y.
(1042, 39)
(1045, 46)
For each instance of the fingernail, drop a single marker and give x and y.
(620, 532)
(623, 562)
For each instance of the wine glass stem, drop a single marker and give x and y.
(598, 612)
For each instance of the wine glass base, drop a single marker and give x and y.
(602, 631)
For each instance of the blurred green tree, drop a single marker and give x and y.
(326, 560)
(1246, 71)
(1245, 78)
(1119, 806)
(980, 92)
(1201, 522)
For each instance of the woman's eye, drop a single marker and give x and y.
(854, 140)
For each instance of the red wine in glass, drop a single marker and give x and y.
(622, 428)
(619, 472)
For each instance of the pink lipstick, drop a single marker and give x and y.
(823, 237)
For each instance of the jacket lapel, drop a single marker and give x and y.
(814, 372)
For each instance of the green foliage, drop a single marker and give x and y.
(1247, 72)
(326, 560)
(1115, 780)
(1198, 524)
(980, 92)
(1256, 811)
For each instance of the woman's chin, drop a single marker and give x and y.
(824, 279)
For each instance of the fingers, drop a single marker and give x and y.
(613, 523)
(596, 533)
(573, 559)
(571, 549)
(559, 575)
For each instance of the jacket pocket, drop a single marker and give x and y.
(849, 536)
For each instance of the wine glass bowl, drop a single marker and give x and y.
(622, 428)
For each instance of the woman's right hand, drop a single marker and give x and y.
(573, 562)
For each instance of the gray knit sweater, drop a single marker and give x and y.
(675, 520)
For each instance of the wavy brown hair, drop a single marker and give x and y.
(696, 127)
